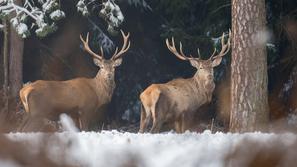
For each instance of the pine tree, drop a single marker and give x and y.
(249, 95)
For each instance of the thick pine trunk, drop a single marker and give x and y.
(5, 64)
(15, 69)
(249, 96)
(15, 63)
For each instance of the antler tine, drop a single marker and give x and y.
(214, 52)
(225, 46)
(198, 50)
(181, 49)
(102, 52)
(172, 48)
(125, 47)
(87, 47)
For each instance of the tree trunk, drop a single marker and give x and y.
(249, 95)
(16, 47)
(15, 63)
(5, 63)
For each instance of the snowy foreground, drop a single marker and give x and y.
(117, 149)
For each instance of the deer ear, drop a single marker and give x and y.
(194, 63)
(98, 63)
(117, 62)
(217, 61)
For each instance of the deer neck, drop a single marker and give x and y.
(104, 86)
(204, 83)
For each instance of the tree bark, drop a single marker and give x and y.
(5, 63)
(16, 47)
(249, 94)
(15, 63)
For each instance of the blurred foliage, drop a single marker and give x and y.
(194, 22)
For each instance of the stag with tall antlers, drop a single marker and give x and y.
(79, 97)
(169, 102)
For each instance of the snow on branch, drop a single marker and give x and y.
(39, 15)
(82, 7)
(140, 3)
(110, 12)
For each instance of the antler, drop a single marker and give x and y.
(125, 47)
(225, 47)
(87, 48)
(172, 48)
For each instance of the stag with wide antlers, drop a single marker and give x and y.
(79, 97)
(169, 102)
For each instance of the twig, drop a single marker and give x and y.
(219, 8)
(211, 126)
(102, 127)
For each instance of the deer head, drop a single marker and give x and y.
(204, 67)
(107, 66)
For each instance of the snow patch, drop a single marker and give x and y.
(8, 163)
(116, 149)
(262, 37)
(67, 123)
(57, 15)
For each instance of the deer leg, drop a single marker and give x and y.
(153, 129)
(79, 123)
(75, 116)
(178, 125)
(83, 124)
(25, 121)
(157, 123)
(34, 124)
(183, 123)
(147, 120)
(142, 120)
(49, 125)
(84, 119)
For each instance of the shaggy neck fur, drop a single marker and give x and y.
(104, 86)
(204, 85)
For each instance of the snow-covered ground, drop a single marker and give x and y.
(116, 149)
(122, 149)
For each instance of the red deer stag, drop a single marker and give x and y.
(169, 102)
(79, 97)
